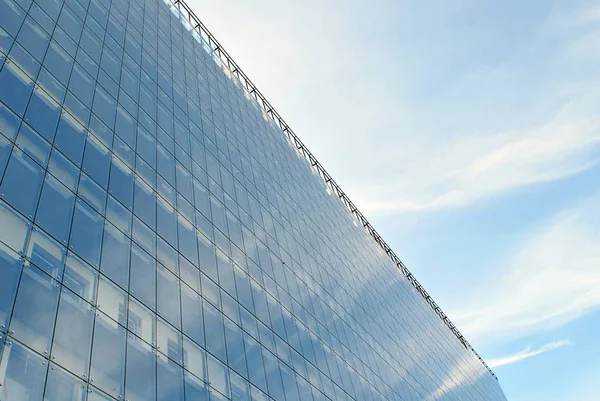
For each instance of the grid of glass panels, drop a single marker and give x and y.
(161, 240)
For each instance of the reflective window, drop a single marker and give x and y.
(15, 87)
(191, 315)
(108, 356)
(218, 375)
(22, 182)
(92, 193)
(169, 341)
(35, 310)
(121, 183)
(43, 113)
(23, 372)
(112, 300)
(169, 377)
(47, 254)
(33, 145)
(86, 233)
(80, 278)
(215, 336)
(55, 209)
(61, 385)
(167, 296)
(141, 322)
(70, 138)
(96, 161)
(65, 171)
(14, 228)
(10, 265)
(140, 374)
(115, 255)
(143, 268)
(73, 334)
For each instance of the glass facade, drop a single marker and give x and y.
(161, 239)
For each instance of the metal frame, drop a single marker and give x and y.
(227, 61)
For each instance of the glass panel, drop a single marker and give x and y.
(191, 315)
(118, 214)
(55, 209)
(167, 255)
(144, 236)
(167, 296)
(22, 182)
(215, 336)
(10, 266)
(208, 257)
(143, 270)
(240, 388)
(22, 373)
(43, 113)
(86, 233)
(210, 291)
(255, 363)
(195, 359)
(92, 193)
(15, 87)
(33, 145)
(141, 321)
(168, 341)
(235, 348)
(66, 172)
(145, 203)
(14, 228)
(140, 371)
(62, 386)
(70, 138)
(35, 310)
(121, 183)
(115, 255)
(80, 278)
(195, 389)
(46, 253)
(169, 379)
(189, 274)
(73, 334)
(187, 240)
(9, 123)
(96, 161)
(108, 356)
(112, 300)
(166, 222)
(218, 376)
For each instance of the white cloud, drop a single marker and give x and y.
(552, 279)
(526, 353)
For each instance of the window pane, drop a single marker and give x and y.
(215, 336)
(208, 257)
(166, 222)
(143, 277)
(117, 214)
(115, 255)
(142, 321)
(33, 145)
(189, 274)
(22, 182)
(43, 113)
(10, 266)
(121, 183)
(62, 386)
(141, 371)
(73, 334)
(108, 356)
(144, 236)
(167, 296)
(15, 87)
(195, 389)
(46, 253)
(61, 168)
(23, 372)
(96, 161)
(187, 240)
(191, 315)
(9, 123)
(219, 376)
(195, 359)
(92, 193)
(86, 234)
(240, 388)
(35, 310)
(169, 381)
(167, 255)
(80, 278)
(55, 209)
(70, 138)
(14, 228)
(145, 203)
(112, 301)
(168, 341)
(235, 348)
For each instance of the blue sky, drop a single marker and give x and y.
(468, 132)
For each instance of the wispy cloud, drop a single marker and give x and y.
(526, 353)
(552, 279)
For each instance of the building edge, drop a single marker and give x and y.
(221, 56)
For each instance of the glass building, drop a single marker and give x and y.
(165, 236)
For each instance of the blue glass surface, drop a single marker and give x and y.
(161, 239)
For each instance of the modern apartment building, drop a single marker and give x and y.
(165, 236)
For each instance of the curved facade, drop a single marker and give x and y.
(162, 239)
